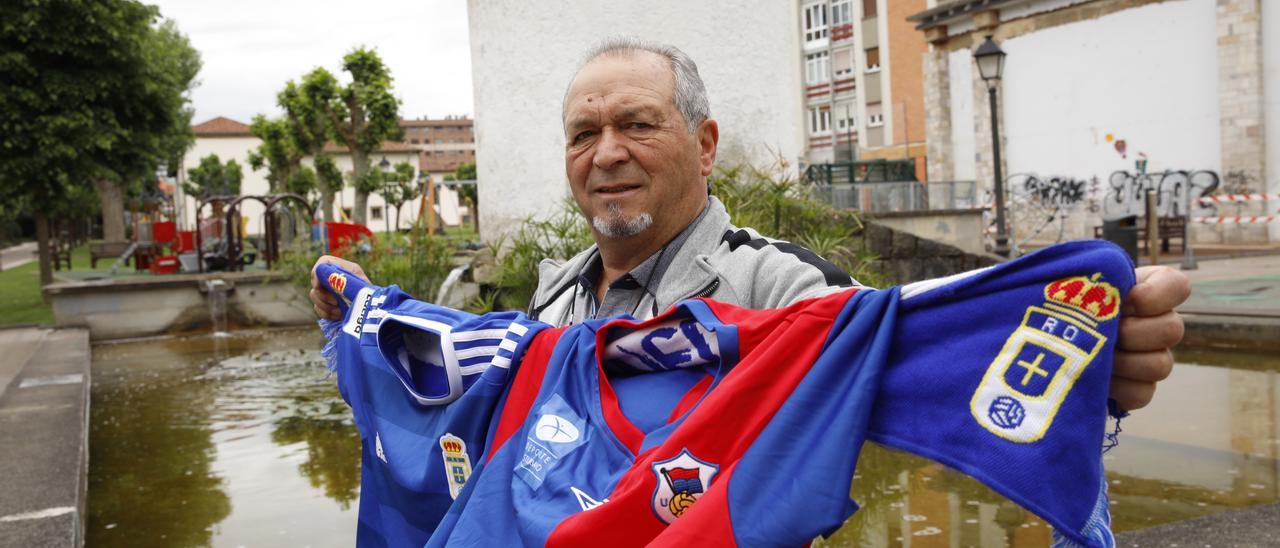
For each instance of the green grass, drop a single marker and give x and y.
(20, 296)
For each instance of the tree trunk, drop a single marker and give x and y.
(398, 217)
(326, 201)
(46, 254)
(359, 166)
(475, 215)
(112, 199)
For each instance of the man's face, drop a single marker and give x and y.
(632, 164)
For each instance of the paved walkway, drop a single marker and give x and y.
(44, 422)
(18, 255)
(1235, 303)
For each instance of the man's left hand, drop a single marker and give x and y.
(1148, 329)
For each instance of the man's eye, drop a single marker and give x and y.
(583, 135)
(640, 125)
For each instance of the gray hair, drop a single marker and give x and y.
(690, 95)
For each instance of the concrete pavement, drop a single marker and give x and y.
(18, 255)
(44, 422)
(1235, 303)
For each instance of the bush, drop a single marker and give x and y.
(776, 205)
(417, 261)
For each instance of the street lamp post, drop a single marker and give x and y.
(990, 60)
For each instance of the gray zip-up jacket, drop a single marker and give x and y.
(718, 260)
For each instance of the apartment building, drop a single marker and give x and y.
(863, 80)
(443, 144)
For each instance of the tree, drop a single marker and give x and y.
(467, 172)
(278, 152)
(308, 123)
(89, 91)
(363, 115)
(397, 188)
(213, 178)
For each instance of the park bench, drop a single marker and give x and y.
(106, 250)
(1168, 228)
(60, 252)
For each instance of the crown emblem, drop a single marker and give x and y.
(1099, 300)
(338, 281)
(451, 445)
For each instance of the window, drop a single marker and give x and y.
(873, 59)
(817, 66)
(875, 120)
(441, 141)
(375, 213)
(842, 64)
(819, 120)
(868, 8)
(846, 124)
(841, 13)
(414, 141)
(815, 22)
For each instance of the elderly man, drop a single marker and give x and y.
(639, 145)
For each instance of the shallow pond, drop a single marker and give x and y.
(243, 441)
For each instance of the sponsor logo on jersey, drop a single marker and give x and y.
(555, 429)
(457, 465)
(681, 481)
(1040, 361)
(585, 500)
(558, 431)
(359, 307)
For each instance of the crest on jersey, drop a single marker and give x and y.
(338, 281)
(1040, 361)
(681, 481)
(457, 465)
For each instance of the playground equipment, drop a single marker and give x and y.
(227, 231)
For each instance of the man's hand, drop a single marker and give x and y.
(1148, 329)
(322, 300)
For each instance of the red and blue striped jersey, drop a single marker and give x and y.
(714, 424)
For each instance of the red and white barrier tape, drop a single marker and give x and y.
(1239, 220)
(1232, 198)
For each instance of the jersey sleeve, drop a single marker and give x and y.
(423, 383)
(1004, 374)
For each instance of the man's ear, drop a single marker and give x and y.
(708, 135)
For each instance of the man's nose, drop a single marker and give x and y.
(611, 150)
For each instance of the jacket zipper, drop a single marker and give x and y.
(711, 288)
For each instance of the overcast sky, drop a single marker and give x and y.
(251, 48)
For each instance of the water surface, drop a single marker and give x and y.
(243, 441)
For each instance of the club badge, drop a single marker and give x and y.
(681, 481)
(457, 465)
(1040, 361)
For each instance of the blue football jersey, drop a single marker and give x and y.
(756, 419)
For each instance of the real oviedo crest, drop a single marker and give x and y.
(681, 481)
(1040, 361)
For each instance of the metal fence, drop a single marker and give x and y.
(886, 197)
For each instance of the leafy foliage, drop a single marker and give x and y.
(364, 114)
(213, 178)
(418, 262)
(776, 205)
(278, 152)
(398, 187)
(88, 91)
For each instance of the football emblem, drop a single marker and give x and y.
(1006, 412)
(681, 481)
(338, 281)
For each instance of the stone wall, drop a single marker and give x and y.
(904, 258)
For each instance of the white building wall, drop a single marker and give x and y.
(523, 55)
(1271, 93)
(255, 183)
(227, 148)
(963, 153)
(1147, 75)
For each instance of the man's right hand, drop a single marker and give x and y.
(322, 300)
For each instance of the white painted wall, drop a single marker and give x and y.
(523, 55)
(227, 148)
(255, 183)
(1271, 93)
(960, 69)
(1147, 75)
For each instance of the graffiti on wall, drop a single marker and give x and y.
(1174, 190)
